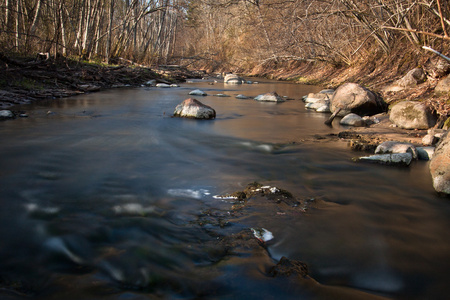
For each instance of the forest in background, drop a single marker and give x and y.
(231, 35)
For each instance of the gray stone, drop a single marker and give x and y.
(437, 66)
(270, 97)
(412, 115)
(233, 79)
(315, 97)
(192, 108)
(440, 166)
(425, 153)
(443, 85)
(150, 83)
(327, 91)
(324, 109)
(353, 120)
(396, 147)
(395, 159)
(163, 85)
(353, 98)
(240, 96)
(412, 78)
(198, 93)
(6, 114)
(318, 104)
(429, 140)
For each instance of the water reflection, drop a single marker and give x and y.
(106, 192)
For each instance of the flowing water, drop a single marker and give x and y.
(100, 198)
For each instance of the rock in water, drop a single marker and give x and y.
(192, 108)
(440, 166)
(412, 115)
(396, 147)
(6, 114)
(198, 93)
(396, 159)
(270, 97)
(233, 79)
(353, 120)
(353, 98)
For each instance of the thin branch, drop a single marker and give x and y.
(436, 52)
(418, 31)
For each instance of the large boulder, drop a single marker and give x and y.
(443, 85)
(270, 97)
(412, 115)
(192, 108)
(440, 165)
(353, 98)
(233, 79)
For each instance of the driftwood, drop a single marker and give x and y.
(330, 120)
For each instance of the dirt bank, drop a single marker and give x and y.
(25, 80)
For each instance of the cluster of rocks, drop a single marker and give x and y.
(360, 107)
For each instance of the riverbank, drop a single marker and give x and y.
(25, 80)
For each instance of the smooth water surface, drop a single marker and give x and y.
(100, 196)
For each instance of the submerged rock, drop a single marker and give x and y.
(269, 97)
(412, 115)
(396, 159)
(240, 96)
(192, 108)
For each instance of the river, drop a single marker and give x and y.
(101, 196)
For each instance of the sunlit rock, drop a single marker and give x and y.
(316, 97)
(317, 105)
(198, 93)
(192, 108)
(240, 96)
(443, 85)
(440, 166)
(411, 79)
(437, 66)
(412, 115)
(353, 98)
(397, 147)
(269, 97)
(233, 79)
(353, 120)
